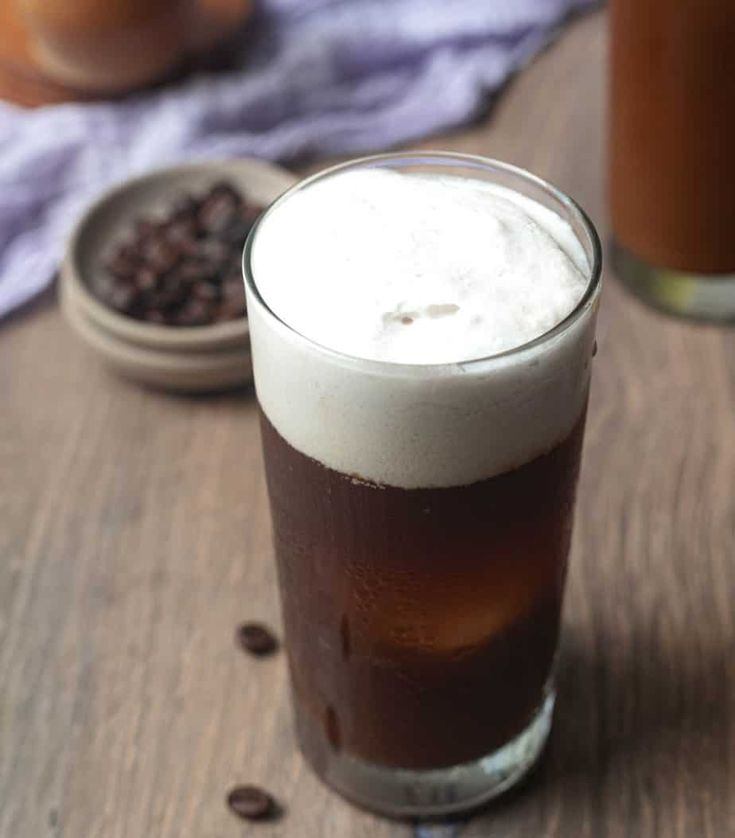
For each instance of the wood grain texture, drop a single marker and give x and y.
(135, 536)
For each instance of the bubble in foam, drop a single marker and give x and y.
(474, 269)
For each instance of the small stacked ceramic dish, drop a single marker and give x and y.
(186, 359)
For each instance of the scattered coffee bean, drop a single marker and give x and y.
(256, 639)
(183, 270)
(251, 803)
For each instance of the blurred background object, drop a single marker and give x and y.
(56, 50)
(312, 77)
(672, 166)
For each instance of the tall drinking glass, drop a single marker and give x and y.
(422, 516)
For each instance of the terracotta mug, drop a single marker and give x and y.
(109, 46)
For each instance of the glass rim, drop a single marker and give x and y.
(475, 161)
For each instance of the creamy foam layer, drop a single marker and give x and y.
(418, 270)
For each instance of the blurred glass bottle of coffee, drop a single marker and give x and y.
(672, 153)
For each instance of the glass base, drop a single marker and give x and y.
(697, 296)
(407, 793)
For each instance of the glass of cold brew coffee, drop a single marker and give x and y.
(422, 331)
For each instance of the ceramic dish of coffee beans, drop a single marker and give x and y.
(151, 276)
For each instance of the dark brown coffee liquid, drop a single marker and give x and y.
(421, 624)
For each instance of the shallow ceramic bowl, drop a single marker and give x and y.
(208, 357)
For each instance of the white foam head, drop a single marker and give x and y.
(390, 284)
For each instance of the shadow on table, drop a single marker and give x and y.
(244, 394)
(634, 726)
(652, 699)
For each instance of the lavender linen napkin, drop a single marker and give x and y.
(319, 77)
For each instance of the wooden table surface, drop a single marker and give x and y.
(135, 536)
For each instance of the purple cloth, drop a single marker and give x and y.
(320, 77)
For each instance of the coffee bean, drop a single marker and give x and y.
(205, 291)
(185, 207)
(159, 254)
(190, 272)
(185, 269)
(229, 311)
(182, 232)
(251, 803)
(233, 300)
(236, 231)
(145, 279)
(256, 639)
(122, 265)
(233, 287)
(170, 296)
(213, 252)
(216, 213)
